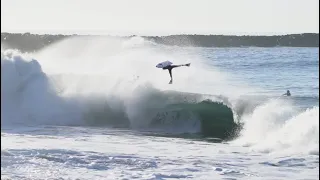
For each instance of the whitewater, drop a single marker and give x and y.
(98, 108)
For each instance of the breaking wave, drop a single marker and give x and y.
(30, 96)
(108, 82)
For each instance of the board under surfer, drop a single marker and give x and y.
(168, 65)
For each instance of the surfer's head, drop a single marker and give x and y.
(288, 93)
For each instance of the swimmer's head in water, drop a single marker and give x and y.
(288, 93)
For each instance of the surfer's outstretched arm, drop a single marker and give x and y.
(174, 66)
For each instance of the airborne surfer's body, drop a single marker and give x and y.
(170, 67)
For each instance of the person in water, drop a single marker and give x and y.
(170, 67)
(287, 93)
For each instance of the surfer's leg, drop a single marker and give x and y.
(170, 72)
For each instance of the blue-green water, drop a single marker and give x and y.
(273, 69)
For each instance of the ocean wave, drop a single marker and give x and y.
(60, 88)
(30, 96)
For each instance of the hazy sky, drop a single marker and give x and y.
(160, 17)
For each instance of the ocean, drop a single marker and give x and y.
(98, 108)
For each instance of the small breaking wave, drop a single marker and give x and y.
(277, 126)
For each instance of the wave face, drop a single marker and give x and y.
(108, 82)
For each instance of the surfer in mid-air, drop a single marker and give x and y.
(168, 65)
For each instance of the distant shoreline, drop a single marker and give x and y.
(32, 42)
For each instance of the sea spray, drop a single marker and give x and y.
(277, 126)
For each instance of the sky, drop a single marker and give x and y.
(160, 17)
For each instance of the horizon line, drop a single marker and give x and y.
(173, 34)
